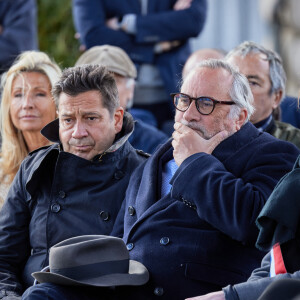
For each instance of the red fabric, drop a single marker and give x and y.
(278, 260)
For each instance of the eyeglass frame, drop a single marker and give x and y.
(214, 101)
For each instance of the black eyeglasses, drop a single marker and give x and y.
(205, 105)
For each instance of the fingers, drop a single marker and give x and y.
(219, 137)
(182, 4)
(216, 140)
(181, 128)
(175, 135)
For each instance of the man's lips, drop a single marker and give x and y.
(82, 147)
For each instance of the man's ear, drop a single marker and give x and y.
(241, 119)
(118, 118)
(277, 98)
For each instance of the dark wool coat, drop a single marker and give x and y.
(201, 236)
(162, 23)
(18, 19)
(57, 195)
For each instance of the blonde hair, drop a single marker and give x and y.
(14, 148)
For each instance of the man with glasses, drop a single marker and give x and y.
(190, 209)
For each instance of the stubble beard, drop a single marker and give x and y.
(203, 132)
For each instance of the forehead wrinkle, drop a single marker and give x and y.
(79, 111)
(203, 81)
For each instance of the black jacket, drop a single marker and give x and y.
(57, 195)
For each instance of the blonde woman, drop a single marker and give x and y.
(26, 107)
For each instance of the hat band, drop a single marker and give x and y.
(94, 270)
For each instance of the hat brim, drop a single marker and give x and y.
(137, 275)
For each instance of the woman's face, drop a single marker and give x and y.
(31, 105)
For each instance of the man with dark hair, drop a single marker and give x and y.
(144, 136)
(73, 187)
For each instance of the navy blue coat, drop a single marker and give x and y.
(54, 196)
(18, 18)
(146, 137)
(290, 111)
(201, 236)
(161, 23)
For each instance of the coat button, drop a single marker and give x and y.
(164, 241)
(130, 246)
(62, 194)
(119, 174)
(131, 210)
(55, 207)
(104, 215)
(158, 291)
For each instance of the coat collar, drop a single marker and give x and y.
(232, 144)
(51, 132)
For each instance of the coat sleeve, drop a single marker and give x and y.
(19, 28)
(257, 283)
(14, 238)
(89, 19)
(230, 197)
(90, 16)
(172, 24)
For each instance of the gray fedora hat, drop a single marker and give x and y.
(113, 58)
(92, 260)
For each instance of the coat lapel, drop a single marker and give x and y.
(148, 194)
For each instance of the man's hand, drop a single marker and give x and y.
(187, 142)
(211, 296)
(166, 46)
(182, 4)
(113, 23)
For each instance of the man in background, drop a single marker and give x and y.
(18, 29)
(155, 34)
(200, 55)
(264, 71)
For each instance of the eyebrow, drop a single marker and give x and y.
(68, 114)
(254, 77)
(25, 87)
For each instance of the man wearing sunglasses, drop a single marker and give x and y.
(190, 209)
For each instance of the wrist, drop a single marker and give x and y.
(128, 23)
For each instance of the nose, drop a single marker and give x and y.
(192, 114)
(27, 101)
(79, 130)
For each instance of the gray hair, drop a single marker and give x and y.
(277, 74)
(239, 92)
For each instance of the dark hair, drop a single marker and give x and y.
(85, 78)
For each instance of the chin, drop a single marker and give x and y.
(31, 128)
(84, 156)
